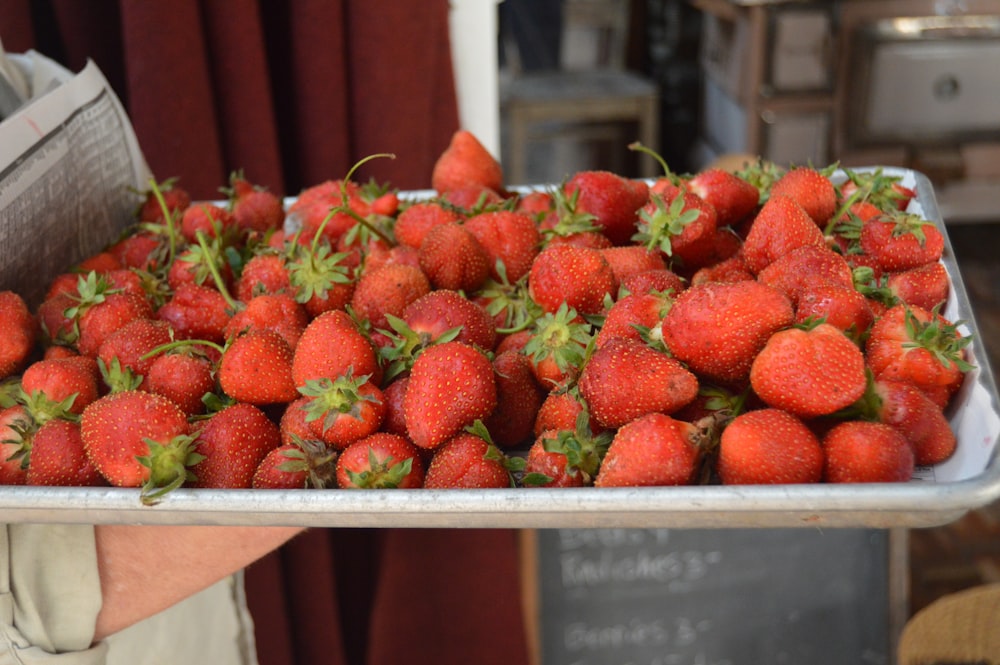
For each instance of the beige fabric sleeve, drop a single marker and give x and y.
(50, 594)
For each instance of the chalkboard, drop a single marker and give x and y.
(715, 597)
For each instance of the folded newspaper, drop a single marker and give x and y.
(70, 169)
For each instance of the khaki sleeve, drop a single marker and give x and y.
(50, 594)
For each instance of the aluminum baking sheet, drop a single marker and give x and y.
(970, 479)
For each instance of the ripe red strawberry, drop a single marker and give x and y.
(263, 273)
(418, 218)
(625, 379)
(900, 241)
(196, 312)
(59, 386)
(921, 422)
(256, 368)
(272, 311)
(144, 251)
(466, 162)
(629, 260)
(518, 399)
(467, 461)
(331, 345)
(843, 307)
(452, 258)
(451, 385)
(509, 237)
(768, 446)
(654, 449)
(811, 189)
(388, 290)
(176, 199)
(556, 345)
(380, 461)
(342, 409)
(637, 316)
(566, 457)
(614, 201)
(809, 372)
(683, 228)
(717, 328)
(859, 451)
(104, 318)
(393, 394)
(733, 198)
(577, 276)
(779, 227)
(664, 281)
(299, 465)
(472, 199)
(196, 264)
(437, 312)
(925, 286)
(322, 280)
(18, 329)
(911, 344)
(561, 411)
(58, 458)
(182, 377)
(254, 208)
(208, 219)
(233, 442)
(131, 344)
(886, 192)
(733, 269)
(16, 428)
(138, 439)
(804, 266)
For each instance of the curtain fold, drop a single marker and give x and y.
(293, 94)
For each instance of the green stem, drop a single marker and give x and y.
(168, 219)
(212, 268)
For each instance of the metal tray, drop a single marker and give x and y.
(936, 496)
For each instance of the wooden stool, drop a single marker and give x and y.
(962, 628)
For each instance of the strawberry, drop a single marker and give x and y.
(911, 344)
(925, 286)
(843, 307)
(637, 316)
(886, 192)
(298, 465)
(208, 219)
(331, 345)
(561, 410)
(768, 446)
(900, 241)
(55, 324)
(143, 251)
(556, 345)
(921, 421)
(472, 199)
(859, 451)
(132, 343)
(577, 276)
(683, 228)
(466, 162)
(629, 260)
(380, 461)
(183, 377)
(434, 314)
(518, 399)
(175, 199)
(509, 237)
(254, 208)
(16, 429)
(138, 439)
(452, 258)
(566, 457)
(614, 201)
(322, 280)
(388, 290)
(414, 221)
(804, 266)
(272, 311)
(58, 457)
(625, 379)
(809, 372)
(654, 449)
(197, 312)
(233, 443)
(263, 273)
(717, 328)
(733, 269)
(663, 281)
(256, 368)
(451, 385)
(18, 329)
(467, 461)
(393, 396)
(781, 226)
(811, 189)
(343, 409)
(57, 387)
(733, 198)
(104, 318)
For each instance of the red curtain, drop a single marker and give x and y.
(294, 93)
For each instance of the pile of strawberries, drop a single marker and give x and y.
(765, 326)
